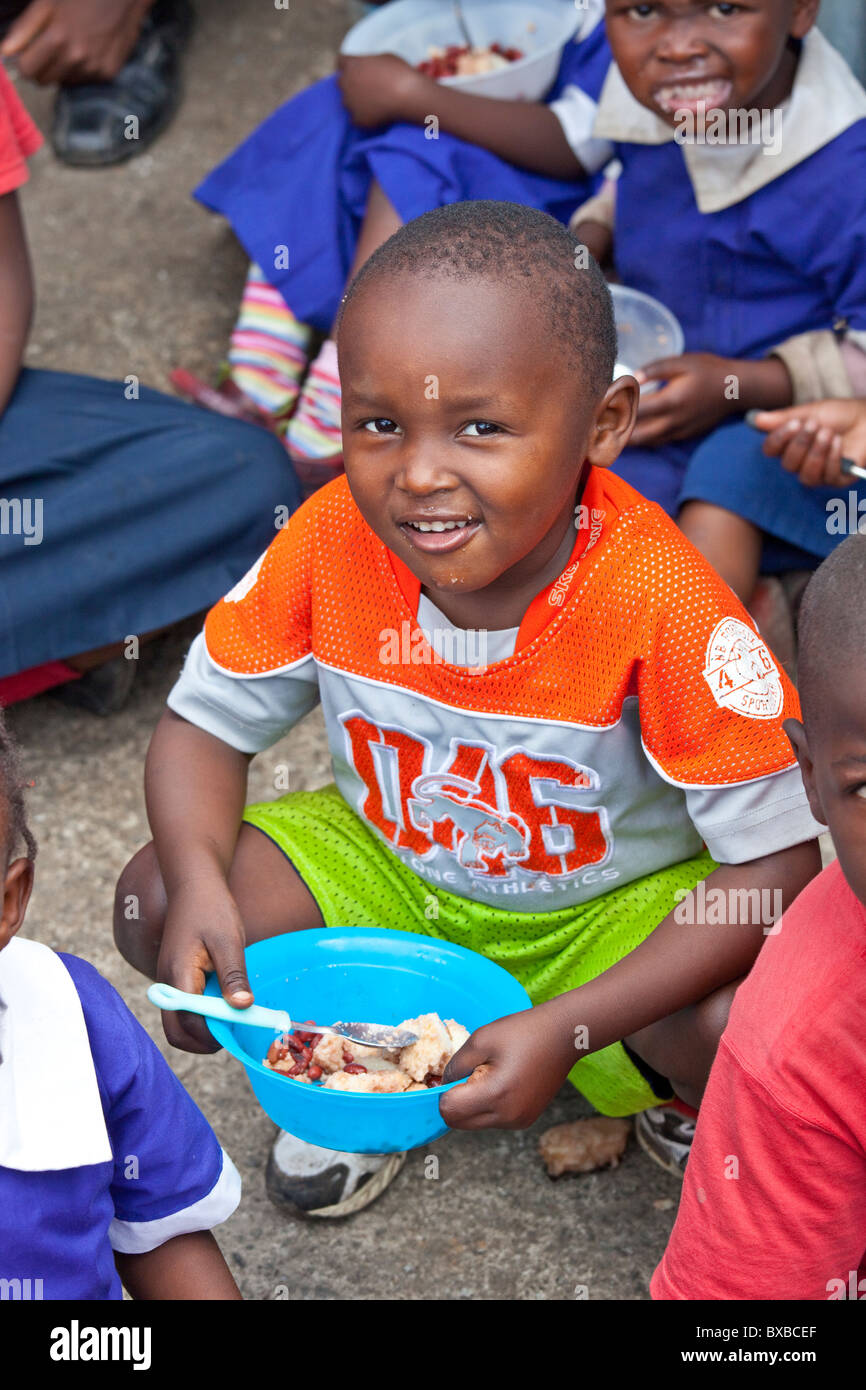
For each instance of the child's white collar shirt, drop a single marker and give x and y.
(50, 1111)
(826, 100)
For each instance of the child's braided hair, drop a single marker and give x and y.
(12, 792)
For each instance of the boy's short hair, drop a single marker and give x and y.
(12, 795)
(832, 622)
(507, 241)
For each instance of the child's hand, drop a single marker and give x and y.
(517, 1063)
(692, 400)
(380, 88)
(203, 931)
(812, 439)
(701, 390)
(74, 40)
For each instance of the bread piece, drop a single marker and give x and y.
(432, 1051)
(457, 1033)
(584, 1145)
(380, 1078)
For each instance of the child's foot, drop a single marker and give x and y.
(305, 1180)
(665, 1133)
(314, 433)
(268, 351)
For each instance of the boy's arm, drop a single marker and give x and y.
(525, 1058)
(195, 787)
(384, 88)
(16, 295)
(186, 1267)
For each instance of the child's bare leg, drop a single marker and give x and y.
(683, 1047)
(381, 221)
(270, 894)
(731, 544)
(314, 435)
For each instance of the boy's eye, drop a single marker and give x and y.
(479, 429)
(642, 11)
(381, 425)
(723, 10)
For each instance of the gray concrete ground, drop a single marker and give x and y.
(134, 277)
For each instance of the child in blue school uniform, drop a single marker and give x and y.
(752, 231)
(337, 169)
(109, 1173)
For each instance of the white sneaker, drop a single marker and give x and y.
(306, 1180)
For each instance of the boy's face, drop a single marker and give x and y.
(832, 754)
(460, 412)
(689, 55)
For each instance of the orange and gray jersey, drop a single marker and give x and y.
(639, 717)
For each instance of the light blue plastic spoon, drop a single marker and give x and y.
(276, 1020)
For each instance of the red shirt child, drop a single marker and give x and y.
(19, 138)
(774, 1197)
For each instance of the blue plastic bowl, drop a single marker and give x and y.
(373, 975)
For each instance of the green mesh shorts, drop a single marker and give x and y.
(357, 881)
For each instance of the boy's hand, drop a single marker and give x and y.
(203, 932)
(380, 88)
(517, 1063)
(74, 40)
(812, 439)
(701, 390)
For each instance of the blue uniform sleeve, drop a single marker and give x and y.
(170, 1174)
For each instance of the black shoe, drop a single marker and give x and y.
(102, 690)
(108, 122)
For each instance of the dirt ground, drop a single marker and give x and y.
(134, 277)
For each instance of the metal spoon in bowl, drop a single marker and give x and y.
(461, 20)
(277, 1020)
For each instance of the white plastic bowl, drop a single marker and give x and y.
(645, 329)
(410, 28)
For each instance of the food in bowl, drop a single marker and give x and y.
(459, 60)
(310, 1057)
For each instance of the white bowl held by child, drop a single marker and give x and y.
(410, 28)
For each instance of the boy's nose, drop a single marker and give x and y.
(423, 471)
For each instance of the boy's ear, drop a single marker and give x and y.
(800, 744)
(17, 887)
(804, 17)
(614, 422)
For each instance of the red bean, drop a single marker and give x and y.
(354, 1068)
(314, 1072)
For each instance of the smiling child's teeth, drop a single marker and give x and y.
(438, 525)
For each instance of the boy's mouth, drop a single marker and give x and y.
(437, 535)
(693, 95)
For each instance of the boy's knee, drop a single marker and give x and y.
(139, 911)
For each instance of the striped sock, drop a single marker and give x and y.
(268, 350)
(314, 429)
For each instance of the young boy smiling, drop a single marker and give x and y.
(558, 802)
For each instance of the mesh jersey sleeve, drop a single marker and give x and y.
(250, 676)
(712, 705)
(170, 1174)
